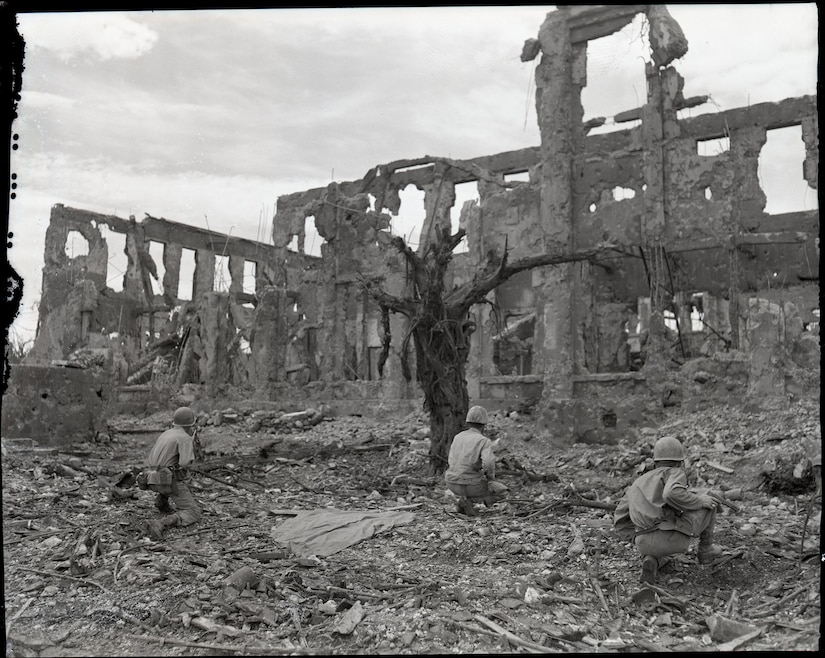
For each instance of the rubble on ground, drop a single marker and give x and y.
(541, 572)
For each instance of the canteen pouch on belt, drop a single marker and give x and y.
(160, 480)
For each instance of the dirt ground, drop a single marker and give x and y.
(541, 572)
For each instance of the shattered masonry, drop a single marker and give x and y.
(591, 346)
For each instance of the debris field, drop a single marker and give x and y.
(541, 572)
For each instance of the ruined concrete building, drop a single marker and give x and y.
(593, 347)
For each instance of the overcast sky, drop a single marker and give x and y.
(207, 116)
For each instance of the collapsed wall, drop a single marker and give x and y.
(593, 347)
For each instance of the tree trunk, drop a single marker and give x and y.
(441, 349)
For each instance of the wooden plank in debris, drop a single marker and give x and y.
(135, 429)
(719, 467)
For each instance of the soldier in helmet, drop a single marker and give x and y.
(167, 474)
(661, 516)
(471, 474)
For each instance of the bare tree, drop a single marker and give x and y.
(440, 325)
(17, 348)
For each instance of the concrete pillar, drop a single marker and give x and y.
(268, 337)
(439, 198)
(765, 329)
(216, 334)
(204, 272)
(236, 266)
(171, 270)
(558, 107)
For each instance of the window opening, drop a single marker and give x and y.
(519, 176)
(117, 261)
(250, 271)
(76, 245)
(222, 278)
(615, 74)
(466, 194)
(410, 218)
(156, 252)
(186, 281)
(513, 347)
(780, 172)
(312, 239)
(715, 146)
(696, 315)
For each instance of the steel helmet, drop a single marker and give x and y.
(477, 414)
(184, 417)
(668, 448)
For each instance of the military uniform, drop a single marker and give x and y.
(166, 473)
(472, 470)
(662, 517)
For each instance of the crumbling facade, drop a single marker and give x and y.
(594, 347)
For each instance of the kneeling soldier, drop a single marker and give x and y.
(167, 474)
(472, 466)
(662, 516)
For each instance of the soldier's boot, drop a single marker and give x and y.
(650, 567)
(492, 499)
(708, 551)
(162, 504)
(153, 529)
(170, 520)
(466, 507)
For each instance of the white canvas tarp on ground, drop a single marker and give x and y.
(324, 532)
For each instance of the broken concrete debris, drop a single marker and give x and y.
(705, 274)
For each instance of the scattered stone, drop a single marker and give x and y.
(50, 542)
(747, 529)
(700, 376)
(723, 629)
(349, 619)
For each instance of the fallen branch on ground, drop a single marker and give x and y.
(737, 642)
(18, 613)
(769, 608)
(597, 588)
(85, 581)
(244, 648)
(512, 637)
(37, 535)
(727, 558)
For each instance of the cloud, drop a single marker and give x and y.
(213, 114)
(44, 100)
(103, 35)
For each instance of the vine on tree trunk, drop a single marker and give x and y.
(440, 324)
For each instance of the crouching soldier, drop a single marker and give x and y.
(472, 466)
(167, 474)
(662, 516)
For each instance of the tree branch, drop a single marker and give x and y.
(395, 304)
(460, 300)
(415, 263)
